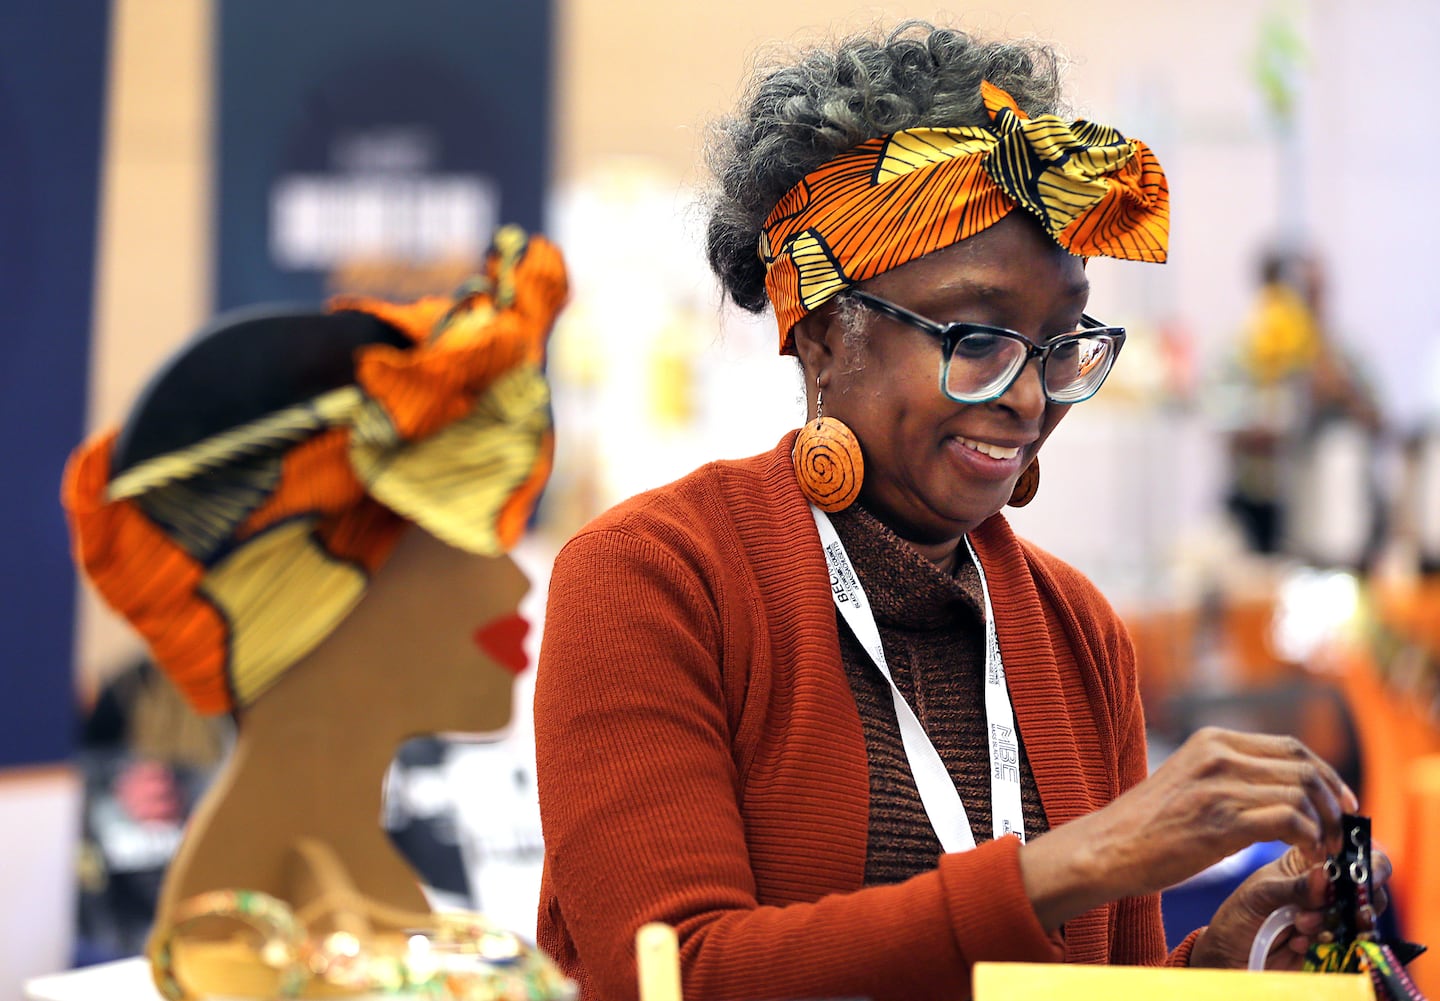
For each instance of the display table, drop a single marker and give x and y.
(1048, 981)
(122, 980)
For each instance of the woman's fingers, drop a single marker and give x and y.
(1279, 770)
(1380, 865)
(1290, 948)
(1380, 900)
(1289, 749)
(1380, 870)
(1279, 813)
(1309, 923)
(1221, 791)
(1282, 748)
(1285, 882)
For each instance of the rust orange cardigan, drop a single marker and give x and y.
(701, 761)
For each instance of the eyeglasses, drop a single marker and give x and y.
(981, 363)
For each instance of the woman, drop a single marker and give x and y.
(719, 745)
(306, 517)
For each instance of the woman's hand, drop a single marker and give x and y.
(1221, 791)
(1290, 879)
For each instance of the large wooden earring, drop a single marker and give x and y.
(1028, 485)
(828, 463)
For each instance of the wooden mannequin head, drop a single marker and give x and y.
(431, 645)
(306, 516)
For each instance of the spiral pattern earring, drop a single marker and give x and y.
(828, 463)
(1028, 484)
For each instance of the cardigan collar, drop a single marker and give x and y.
(905, 590)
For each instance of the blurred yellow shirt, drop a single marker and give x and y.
(1281, 338)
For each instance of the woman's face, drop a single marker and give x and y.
(924, 476)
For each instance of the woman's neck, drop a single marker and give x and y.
(943, 553)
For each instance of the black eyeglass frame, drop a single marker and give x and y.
(950, 335)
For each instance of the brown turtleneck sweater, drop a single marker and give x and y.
(932, 626)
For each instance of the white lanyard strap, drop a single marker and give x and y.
(937, 790)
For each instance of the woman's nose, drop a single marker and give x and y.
(1026, 395)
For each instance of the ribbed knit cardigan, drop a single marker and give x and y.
(701, 762)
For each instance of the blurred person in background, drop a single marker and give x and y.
(1339, 507)
(820, 710)
(146, 756)
(1303, 472)
(1280, 341)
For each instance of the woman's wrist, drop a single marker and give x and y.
(1065, 874)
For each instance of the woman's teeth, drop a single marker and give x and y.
(994, 451)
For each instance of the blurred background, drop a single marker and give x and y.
(1257, 490)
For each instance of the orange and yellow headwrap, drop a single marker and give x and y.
(236, 555)
(900, 196)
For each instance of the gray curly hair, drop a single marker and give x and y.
(828, 99)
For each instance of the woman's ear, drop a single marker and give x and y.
(817, 336)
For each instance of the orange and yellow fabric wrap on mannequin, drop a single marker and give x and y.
(235, 556)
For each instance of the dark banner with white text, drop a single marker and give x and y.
(372, 147)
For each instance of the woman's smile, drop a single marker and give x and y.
(985, 460)
(990, 449)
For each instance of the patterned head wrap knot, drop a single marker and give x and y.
(897, 197)
(236, 554)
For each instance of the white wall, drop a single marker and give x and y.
(40, 815)
(1375, 88)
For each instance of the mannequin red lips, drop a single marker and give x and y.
(503, 641)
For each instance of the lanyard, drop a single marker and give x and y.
(937, 791)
